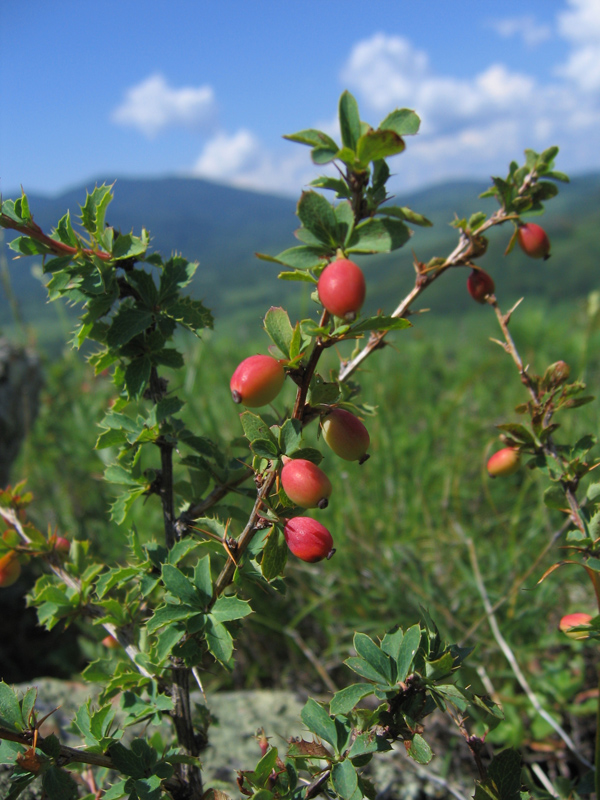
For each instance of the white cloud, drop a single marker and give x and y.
(532, 32)
(153, 105)
(580, 26)
(241, 160)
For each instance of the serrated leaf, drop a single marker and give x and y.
(406, 214)
(408, 648)
(169, 613)
(344, 779)
(59, 785)
(317, 215)
(312, 137)
(180, 586)
(10, 709)
(375, 145)
(127, 323)
(349, 120)
(344, 701)
(317, 720)
(137, 376)
(256, 428)
(274, 555)
(418, 749)
(279, 328)
(380, 661)
(378, 235)
(402, 121)
(218, 641)
(381, 323)
(297, 275)
(228, 608)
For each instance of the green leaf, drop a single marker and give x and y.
(127, 323)
(381, 323)
(364, 669)
(228, 608)
(274, 555)
(402, 121)
(324, 155)
(313, 138)
(301, 257)
(345, 219)
(375, 145)
(368, 743)
(344, 701)
(137, 376)
(59, 785)
(408, 648)
(290, 435)
(554, 497)
(318, 721)
(10, 709)
(380, 661)
(128, 246)
(28, 704)
(202, 575)
(337, 185)
(419, 750)
(349, 120)
(180, 586)
(297, 275)
(218, 641)
(318, 216)
(378, 235)
(344, 779)
(405, 213)
(169, 613)
(191, 314)
(279, 328)
(391, 643)
(256, 428)
(503, 780)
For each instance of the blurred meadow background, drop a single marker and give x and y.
(185, 111)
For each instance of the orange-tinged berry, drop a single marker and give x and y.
(533, 240)
(504, 462)
(576, 620)
(346, 435)
(308, 539)
(110, 642)
(305, 483)
(10, 569)
(257, 381)
(342, 289)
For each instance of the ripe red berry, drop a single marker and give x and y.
(305, 483)
(110, 642)
(62, 546)
(308, 539)
(346, 435)
(576, 620)
(257, 381)
(504, 462)
(480, 285)
(533, 240)
(342, 289)
(10, 569)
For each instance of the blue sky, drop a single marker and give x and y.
(207, 88)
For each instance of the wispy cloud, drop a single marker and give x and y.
(580, 26)
(525, 27)
(153, 105)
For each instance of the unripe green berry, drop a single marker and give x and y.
(533, 240)
(308, 539)
(342, 289)
(576, 620)
(504, 462)
(346, 435)
(257, 381)
(305, 483)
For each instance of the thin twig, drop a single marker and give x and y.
(510, 656)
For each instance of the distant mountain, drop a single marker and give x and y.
(223, 227)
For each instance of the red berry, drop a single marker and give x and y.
(575, 621)
(305, 483)
(342, 289)
(480, 285)
(62, 545)
(308, 539)
(110, 642)
(504, 462)
(10, 569)
(346, 435)
(257, 381)
(533, 240)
